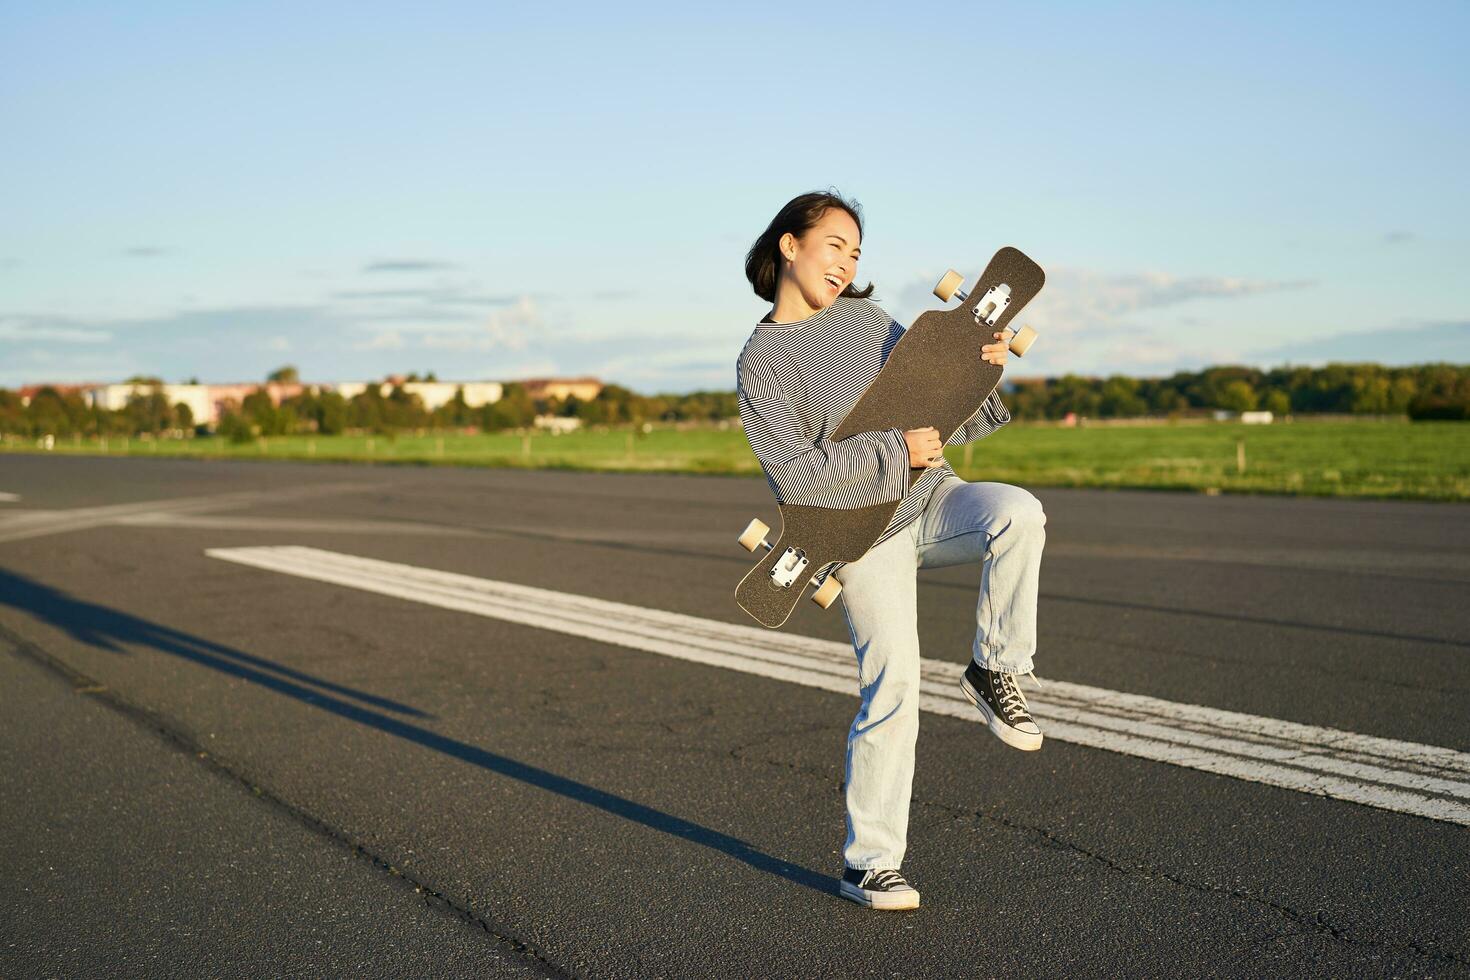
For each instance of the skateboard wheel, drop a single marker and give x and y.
(828, 593)
(952, 280)
(1022, 341)
(753, 535)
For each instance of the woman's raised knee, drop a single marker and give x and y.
(1021, 507)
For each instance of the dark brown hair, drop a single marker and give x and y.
(797, 217)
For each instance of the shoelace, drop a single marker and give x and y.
(884, 880)
(1012, 700)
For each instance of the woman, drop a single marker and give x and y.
(805, 365)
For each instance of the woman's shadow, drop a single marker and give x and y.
(110, 629)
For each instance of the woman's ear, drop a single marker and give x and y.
(787, 245)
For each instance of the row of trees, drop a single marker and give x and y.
(329, 413)
(1433, 391)
(1429, 391)
(326, 412)
(62, 414)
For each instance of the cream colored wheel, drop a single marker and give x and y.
(952, 280)
(828, 593)
(753, 535)
(1022, 341)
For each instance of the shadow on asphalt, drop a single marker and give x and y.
(107, 629)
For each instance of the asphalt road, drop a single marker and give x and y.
(224, 769)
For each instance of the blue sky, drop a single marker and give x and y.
(492, 191)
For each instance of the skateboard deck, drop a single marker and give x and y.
(933, 376)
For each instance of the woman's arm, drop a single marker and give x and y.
(859, 471)
(992, 415)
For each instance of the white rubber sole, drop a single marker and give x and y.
(886, 901)
(1024, 741)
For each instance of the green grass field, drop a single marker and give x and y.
(1340, 458)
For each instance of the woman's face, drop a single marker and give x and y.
(823, 261)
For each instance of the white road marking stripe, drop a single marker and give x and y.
(8, 498)
(1407, 777)
(1376, 561)
(38, 523)
(301, 525)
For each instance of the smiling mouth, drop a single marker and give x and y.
(833, 281)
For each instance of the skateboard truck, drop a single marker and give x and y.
(989, 309)
(790, 566)
(993, 304)
(793, 562)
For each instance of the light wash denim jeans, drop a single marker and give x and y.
(996, 524)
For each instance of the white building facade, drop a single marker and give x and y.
(432, 393)
(205, 401)
(115, 397)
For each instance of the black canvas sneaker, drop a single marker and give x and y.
(883, 888)
(1000, 700)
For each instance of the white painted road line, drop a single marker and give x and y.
(24, 524)
(1406, 777)
(8, 498)
(294, 525)
(1376, 561)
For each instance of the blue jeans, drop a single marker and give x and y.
(996, 524)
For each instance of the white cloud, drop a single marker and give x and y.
(441, 295)
(1419, 344)
(407, 265)
(507, 329)
(541, 367)
(64, 366)
(1083, 296)
(48, 328)
(1096, 323)
(382, 340)
(1089, 295)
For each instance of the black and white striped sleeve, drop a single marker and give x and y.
(992, 415)
(859, 471)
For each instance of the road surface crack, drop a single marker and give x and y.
(178, 738)
(1315, 922)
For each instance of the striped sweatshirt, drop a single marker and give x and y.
(796, 382)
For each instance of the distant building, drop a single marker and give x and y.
(557, 424)
(1257, 418)
(432, 393)
(209, 402)
(27, 392)
(230, 396)
(583, 389)
(206, 402)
